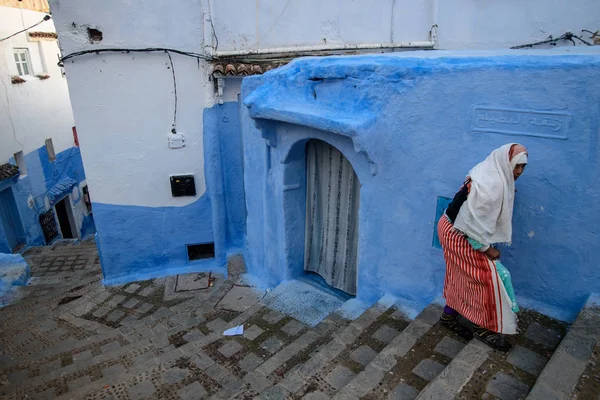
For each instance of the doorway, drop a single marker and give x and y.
(64, 216)
(10, 220)
(332, 202)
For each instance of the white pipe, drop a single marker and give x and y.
(326, 47)
(435, 11)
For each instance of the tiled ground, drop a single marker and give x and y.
(72, 338)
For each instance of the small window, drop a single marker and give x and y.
(200, 251)
(50, 150)
(20, 159)
(23, 62)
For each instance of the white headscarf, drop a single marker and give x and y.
(486, 215)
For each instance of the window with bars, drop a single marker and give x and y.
(22, 61)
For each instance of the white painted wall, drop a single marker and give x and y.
(474, 24)
(39, 109)
(124, 108)
(124, 103)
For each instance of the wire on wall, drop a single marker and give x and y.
(595, 35)
(126, 50)
(274, 23)
(46, 18)
(197, 56)
(174, 130)
(568, 36)
(214, 32)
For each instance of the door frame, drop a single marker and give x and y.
(354, 215)
(70, 217)
(293, 199)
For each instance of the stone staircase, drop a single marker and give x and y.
(129, 343)
(535, 369)
(380, 354)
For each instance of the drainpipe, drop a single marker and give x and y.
(426, 44)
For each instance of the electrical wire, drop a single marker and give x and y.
(594, 36)
(592, 33)
(174, 130)
(127, 50)
(197, 56)
(275, 22)
(552, 41)
(214, 32)
(46, 18)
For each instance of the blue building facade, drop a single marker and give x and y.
(49, 200)
(412, 125)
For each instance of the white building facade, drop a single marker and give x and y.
(43, 198)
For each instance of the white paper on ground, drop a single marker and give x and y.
(238, 330)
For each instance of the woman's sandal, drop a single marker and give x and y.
(495, 340)
(452, 323)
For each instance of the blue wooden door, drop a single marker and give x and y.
(9, 217)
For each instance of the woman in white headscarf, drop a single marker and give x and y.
(477, 286)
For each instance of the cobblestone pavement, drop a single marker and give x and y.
(70, 337)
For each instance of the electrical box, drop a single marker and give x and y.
(176, 140)
(183, 185)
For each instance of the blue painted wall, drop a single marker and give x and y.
(138, 243)
(144, 242)
(226, 140)
(411, 128)
(42, 176)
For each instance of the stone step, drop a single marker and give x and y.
(297, 380)
(564, 371)
(367, 380)
(458, 373)
(261, 377)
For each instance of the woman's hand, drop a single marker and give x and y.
(492, 253)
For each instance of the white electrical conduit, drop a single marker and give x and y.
(426, 44)
(325, 47)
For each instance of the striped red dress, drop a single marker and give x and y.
(472, 285)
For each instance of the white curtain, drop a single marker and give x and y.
(332, 200)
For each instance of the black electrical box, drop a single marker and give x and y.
(183, 185)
